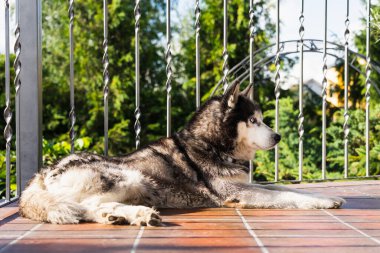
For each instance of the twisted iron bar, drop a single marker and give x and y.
(367, 104)
(301, 32)
(225, 67)
(17, 83)
(7, 111)
(277, 86)
(137, 125)
(72, 105)
(17, 62)
(251, 67)
(169, 73)
(324, 96)
(346, 127)
(368, 87)
(106, 77)
(197, 53)
(251, 44)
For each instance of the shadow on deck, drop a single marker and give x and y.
(354, 228)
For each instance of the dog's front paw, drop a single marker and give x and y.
(146, 216)
(112, 219)
(234, 203)
(335, 202)
(128, 215)
(323, 203)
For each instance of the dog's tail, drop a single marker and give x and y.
(37, 203)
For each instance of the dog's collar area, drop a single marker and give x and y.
(230, 159)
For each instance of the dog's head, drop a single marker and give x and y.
(234, 124)
(243, 122)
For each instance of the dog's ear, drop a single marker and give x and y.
(231, 95)
(247, 92)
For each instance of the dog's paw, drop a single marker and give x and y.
(146, 216)
(112, 219)
(321, 202)
(128, 215)
(234, 203)
(335, 202)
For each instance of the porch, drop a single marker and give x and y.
(354, 228)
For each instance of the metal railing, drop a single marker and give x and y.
(28, 79)
(28, 94)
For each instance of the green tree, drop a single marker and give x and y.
(360, 43)
(211, 36)
(88, 34)
(88, 67)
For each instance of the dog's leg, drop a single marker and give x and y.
(274, 187)
(250, 196)
(120, 214)
(39, 204)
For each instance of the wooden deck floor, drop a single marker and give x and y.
(354, 228)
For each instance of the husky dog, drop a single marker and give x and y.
(199, 166)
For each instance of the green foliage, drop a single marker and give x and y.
(3, 171)
(211, 46)
(360, 43)
(88, 34)
(375, 12)
(288, 147)
(88, 67)
(53, 150)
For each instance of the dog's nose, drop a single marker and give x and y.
(277, 138)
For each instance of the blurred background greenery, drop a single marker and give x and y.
(88, 34)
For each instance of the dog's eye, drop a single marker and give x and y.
(253, 120)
